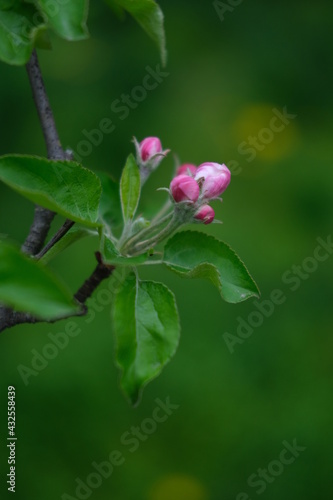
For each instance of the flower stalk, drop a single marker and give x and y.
(139, 247)
(147, 233)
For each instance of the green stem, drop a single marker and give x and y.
(163, 210)
(126, 230)
(146, 232)
(143, 246)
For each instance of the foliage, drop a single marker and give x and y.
(23, 24)
(144, 313)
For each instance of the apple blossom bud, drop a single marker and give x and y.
(149, 147)
(215, 177)
(205, 214)
(184, 188)
(186, 169)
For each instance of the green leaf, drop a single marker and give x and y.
(150, 17)
(20, 27)
(75, 234)
(66, 18)
(197, 255)
(110, 206)
(119, 11)
(130, 188)
(27, 286)
(62, 186)
(112, 256)
(147, 332)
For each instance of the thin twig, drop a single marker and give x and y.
(101, 272)
(62, 231)
(17, 318)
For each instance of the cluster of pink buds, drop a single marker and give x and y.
(198, 185)
(193, 187)
(190, 192)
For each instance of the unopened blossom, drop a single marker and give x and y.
(215, 179)
(149, 147)
(149, 154)
(205, 214)
(184, 188)
(186, 169)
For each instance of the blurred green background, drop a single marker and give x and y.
(225, 77)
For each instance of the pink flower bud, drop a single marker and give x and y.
(184, 188)
(149, 147)
(205, 214)
(215, 177)
(186, 168)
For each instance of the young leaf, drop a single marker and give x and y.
(27, 286)
(147, 332)
(150, 17)
(130, 188)
(66, 18)
(20, 26)
(197, 255)
(109, 206)
(112, 256)
(62, 186)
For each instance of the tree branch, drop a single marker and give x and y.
(43, 217)
(38, 230)
(53, 146)
(10, 318)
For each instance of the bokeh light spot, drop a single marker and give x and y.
(178, 487)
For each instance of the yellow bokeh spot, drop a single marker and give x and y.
(271, 137)
(178, 487)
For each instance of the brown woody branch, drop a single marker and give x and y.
(43, 217)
